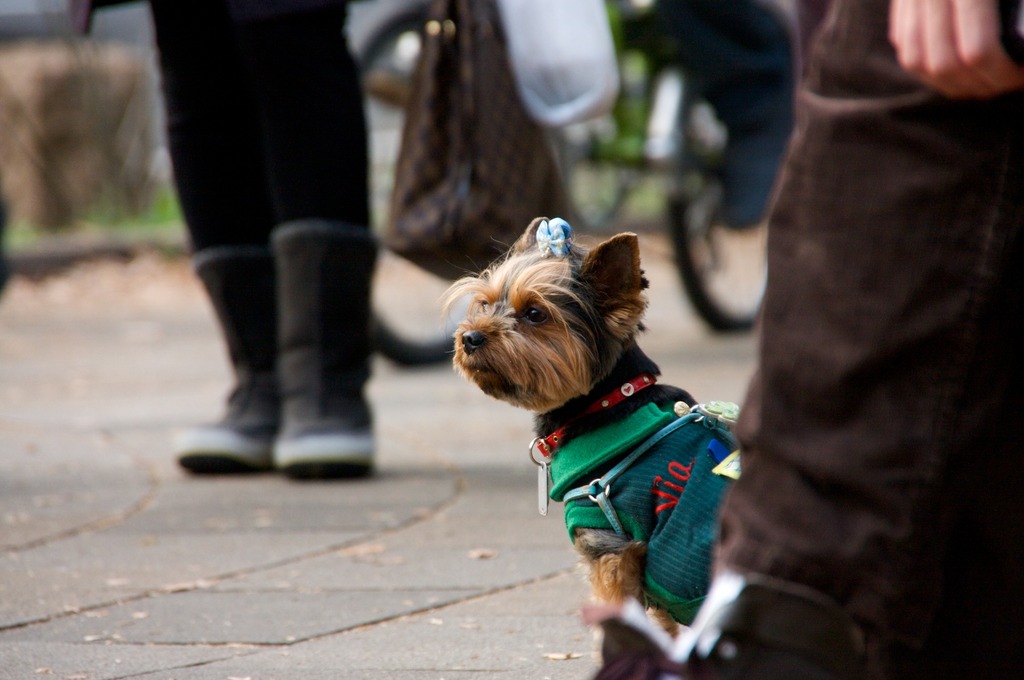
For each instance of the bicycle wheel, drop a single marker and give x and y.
(407, 328)
(723, 270)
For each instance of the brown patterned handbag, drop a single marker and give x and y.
(473, 168)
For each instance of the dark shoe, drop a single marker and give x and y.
(756, 627)
(749, 628)
(324, 270)
(240, 284)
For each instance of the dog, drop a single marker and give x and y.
(640, 467)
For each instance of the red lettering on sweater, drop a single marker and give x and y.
(668, 499)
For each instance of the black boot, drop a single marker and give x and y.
(324, 270)
(756, 627)
(749, 628)
(240, 283)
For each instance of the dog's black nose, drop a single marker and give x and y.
(472, 341)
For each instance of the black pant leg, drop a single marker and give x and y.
(307, 87)
(214, 131)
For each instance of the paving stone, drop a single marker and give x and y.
(35, 660)
(269, 503)
(96, 569)
(54, 483)
(460, 638)
(384, 564)
(208, 617)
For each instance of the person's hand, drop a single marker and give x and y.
(953, 46)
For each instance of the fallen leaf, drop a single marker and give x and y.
(482, 554)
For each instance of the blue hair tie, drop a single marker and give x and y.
(554, 237)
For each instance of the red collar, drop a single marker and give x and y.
(547, 445)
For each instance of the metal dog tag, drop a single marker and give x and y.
(538, 458)
(543, 487)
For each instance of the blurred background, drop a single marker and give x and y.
(83, 163)
(80, 130)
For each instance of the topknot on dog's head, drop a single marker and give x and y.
(551, 237)
(612, 268)
(610, 271)
(608, 275)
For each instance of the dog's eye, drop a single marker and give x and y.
(534, 315)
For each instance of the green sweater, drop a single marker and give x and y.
(668, 497)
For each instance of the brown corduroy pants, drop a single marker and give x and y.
(883, 434)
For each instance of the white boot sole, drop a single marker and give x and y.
(325, 455)
(219, 449)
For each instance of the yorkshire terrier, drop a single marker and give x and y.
(640, 467)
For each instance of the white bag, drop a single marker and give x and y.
(563, 58)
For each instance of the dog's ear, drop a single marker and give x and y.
(612, 270)
(529, 238)
(613, 267)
